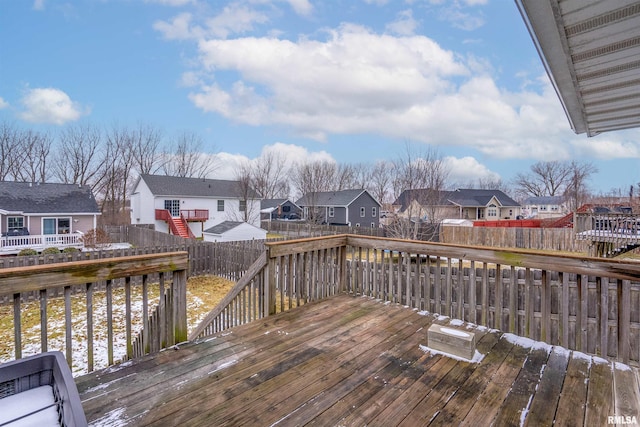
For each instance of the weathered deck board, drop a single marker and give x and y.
(573, 398)
(542, 411)
(354, 361)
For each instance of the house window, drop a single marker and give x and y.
(362, 212)
(220, 205)
(56, 225)
(15, 223)
(243, 206)
(173, 206)
(374, 212)
(492, 211)
(373, 225)
(286, 208)
(331, 211)
(357, 224)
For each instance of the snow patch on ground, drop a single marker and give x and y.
(527, 342)
(114, 418)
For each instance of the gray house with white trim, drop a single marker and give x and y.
(354, 208)
(38, 215)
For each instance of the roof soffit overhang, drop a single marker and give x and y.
(591, 52)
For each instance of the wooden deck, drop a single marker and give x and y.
(357, 361)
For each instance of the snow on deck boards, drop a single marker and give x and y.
(357, 361)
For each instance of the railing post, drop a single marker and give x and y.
(268, 305)
(180, 305)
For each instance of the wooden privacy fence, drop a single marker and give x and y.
(227, 259)
(166, 326)
(557, 239)
(587, 304)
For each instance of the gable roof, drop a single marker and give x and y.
(590, 52)
(544, 200)
(162, 185)
(274, 203)
(332, 198)
(472, 197)
(223, 227)
(46, 198)
(465, 197)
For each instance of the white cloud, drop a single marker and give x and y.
(301, 7)
(38, 5)
(233, 19)
(468, 170)
(610, 146)
(50, 105)
(179, 28)
(293, 154)
(404, 25)
(3, 103)
(342, 85)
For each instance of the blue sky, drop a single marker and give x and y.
(350, 80)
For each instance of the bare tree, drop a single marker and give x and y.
(33, 156)
(10, 146)
(78, 159)
(576, 191)
(144, 149)
(344, 178)
(248, 211)
(544, 179)
(116, 173)
(422, 176)
(269, 175)
(185, 158)
(310, 178)
(379, 183)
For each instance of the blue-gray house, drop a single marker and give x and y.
(355, 208)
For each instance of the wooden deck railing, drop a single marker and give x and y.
(130, 275)
(584, 304)
(610, 234)
(195, 214)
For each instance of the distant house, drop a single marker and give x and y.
(469, 204)
(544, 207)
(355, 208)
(188, 206)
(37, 215)
(275, 209)
(233, 231)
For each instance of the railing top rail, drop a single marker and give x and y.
(31, 278)
(527, 258)
(288, 247)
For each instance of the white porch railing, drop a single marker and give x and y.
(14, 244)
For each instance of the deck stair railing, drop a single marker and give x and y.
(178, 225)
(581, 303)
(91, 286)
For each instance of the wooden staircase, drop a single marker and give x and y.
(180, 227)
(177, 224)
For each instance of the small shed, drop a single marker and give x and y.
(233, 231)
